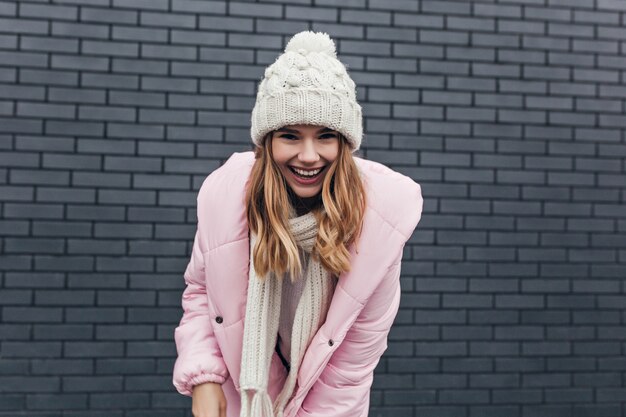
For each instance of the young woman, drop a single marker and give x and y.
(293, 282)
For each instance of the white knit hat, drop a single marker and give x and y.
(307, 85)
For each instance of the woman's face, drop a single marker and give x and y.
(307, 148)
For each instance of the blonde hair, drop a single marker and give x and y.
(340, 218)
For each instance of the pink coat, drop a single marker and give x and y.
(336, 373)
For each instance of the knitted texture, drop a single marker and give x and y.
(261, 323)
(307, 84)
(292, 292)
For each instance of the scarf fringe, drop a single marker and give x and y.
(260, 406)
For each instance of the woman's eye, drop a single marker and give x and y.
(324, 136)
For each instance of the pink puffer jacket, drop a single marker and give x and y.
(336, 373)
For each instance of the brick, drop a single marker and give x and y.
(24, 25)
(452, 7)
(48, 11)
(568, 364)
(43, 76)
(316, 13)
(397, 5)
(490, 380)
(214, 7)
(406, 397)
(255, 10)
(418, 20)
(444, 37)
(168, 19)
(611, 5)
(92, 14)
(49, 44)
(570, 3)
(142, 4)
(138, 34)
(111, 48)
(498, 10)
(517, 26)
(80, 30)
(77, 96)
(610, 31)
(464, 396)
(358, 16)
(517, 396)
(7, 8)
(611, 394)
(595, 410)
(398, 34)
(470, 23)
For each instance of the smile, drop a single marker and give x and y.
(306, 173)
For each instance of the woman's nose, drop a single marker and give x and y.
(309, 151)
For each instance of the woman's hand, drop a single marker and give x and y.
(208, 400)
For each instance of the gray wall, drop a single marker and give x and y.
(510, 114)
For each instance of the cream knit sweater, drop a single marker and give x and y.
(289, 302)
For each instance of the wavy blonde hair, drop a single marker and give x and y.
(340, 217)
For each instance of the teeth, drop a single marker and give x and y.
(307, 173)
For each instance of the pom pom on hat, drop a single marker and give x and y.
(307, 41)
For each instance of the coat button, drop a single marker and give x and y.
(330, 342)
(219, 319)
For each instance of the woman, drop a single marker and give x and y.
(293, 282)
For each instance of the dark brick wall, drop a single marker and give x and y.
(510, 114)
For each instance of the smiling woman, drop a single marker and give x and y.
(277, 320)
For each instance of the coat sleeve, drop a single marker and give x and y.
(343, 387)
(199, 357)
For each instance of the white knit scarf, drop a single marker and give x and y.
(262, 320)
